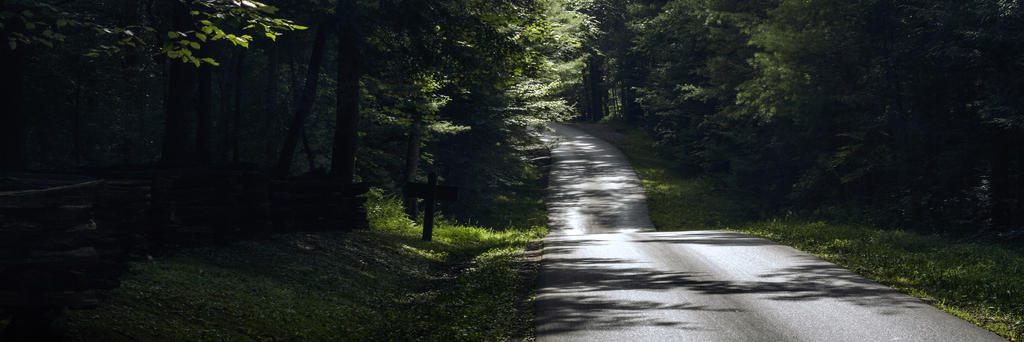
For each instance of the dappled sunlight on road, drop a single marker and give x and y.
(608, 275)
(591, 190)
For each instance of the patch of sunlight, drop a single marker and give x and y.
(425, 253)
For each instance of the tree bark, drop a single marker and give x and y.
(629, 74)
(598, 94)
(585, 100)
(269, 105)
(204, 106)
(303, 104)
(13, 123)
(999, 188)
(179, 76)
(76, 110)
(346, 125)
(310, 159)
(236, 117)
(630, 108)
(412, 159)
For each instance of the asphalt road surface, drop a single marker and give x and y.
(606, 275)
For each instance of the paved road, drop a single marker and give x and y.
(608, 276)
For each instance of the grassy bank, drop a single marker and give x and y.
(977, 281)
(381, 284)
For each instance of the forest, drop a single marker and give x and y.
(902, 114)
(897, 114)
(173, 124)
(380, 92)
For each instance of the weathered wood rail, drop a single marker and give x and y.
(65, 239)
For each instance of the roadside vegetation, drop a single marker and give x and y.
(979, 281)
(469, 283)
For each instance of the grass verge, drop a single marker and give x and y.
(380, 284)
(977, 281)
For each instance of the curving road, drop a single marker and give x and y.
(606, 275)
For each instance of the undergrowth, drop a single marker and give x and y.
(977, 281)
(380, 284)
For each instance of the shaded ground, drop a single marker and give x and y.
(380, 284)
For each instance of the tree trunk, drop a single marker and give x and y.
(236, 118)
(76, 112)
(630, 75)
(999, 188)
(13, 125)
(303, 104)
(598, 94)
(347, 122)
(310, 159)
(179, 76)
(270, 105)
(630, 108)
(624, 101)
(604, 103)
(412, 159)
(204, 106)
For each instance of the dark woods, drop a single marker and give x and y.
(129, 128)
(356, 91)
(907, 114)
(902, 113)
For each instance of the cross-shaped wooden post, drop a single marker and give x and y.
(430, 193)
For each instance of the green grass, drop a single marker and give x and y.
(982, 282)
(380, 284)
(681, 203)
(511, 205)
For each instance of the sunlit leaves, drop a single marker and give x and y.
(228, 21)
(447, 127)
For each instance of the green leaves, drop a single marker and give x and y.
(35, 23)
(181, 51)
(226, 21)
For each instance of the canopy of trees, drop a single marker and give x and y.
(901, 111)
(904, 112)
(378, 91)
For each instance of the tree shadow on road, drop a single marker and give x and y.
(579, 290)
(716, 237)
(567, 314)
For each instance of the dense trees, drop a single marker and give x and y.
(374, 91)
(902, 111)
(905, 112)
